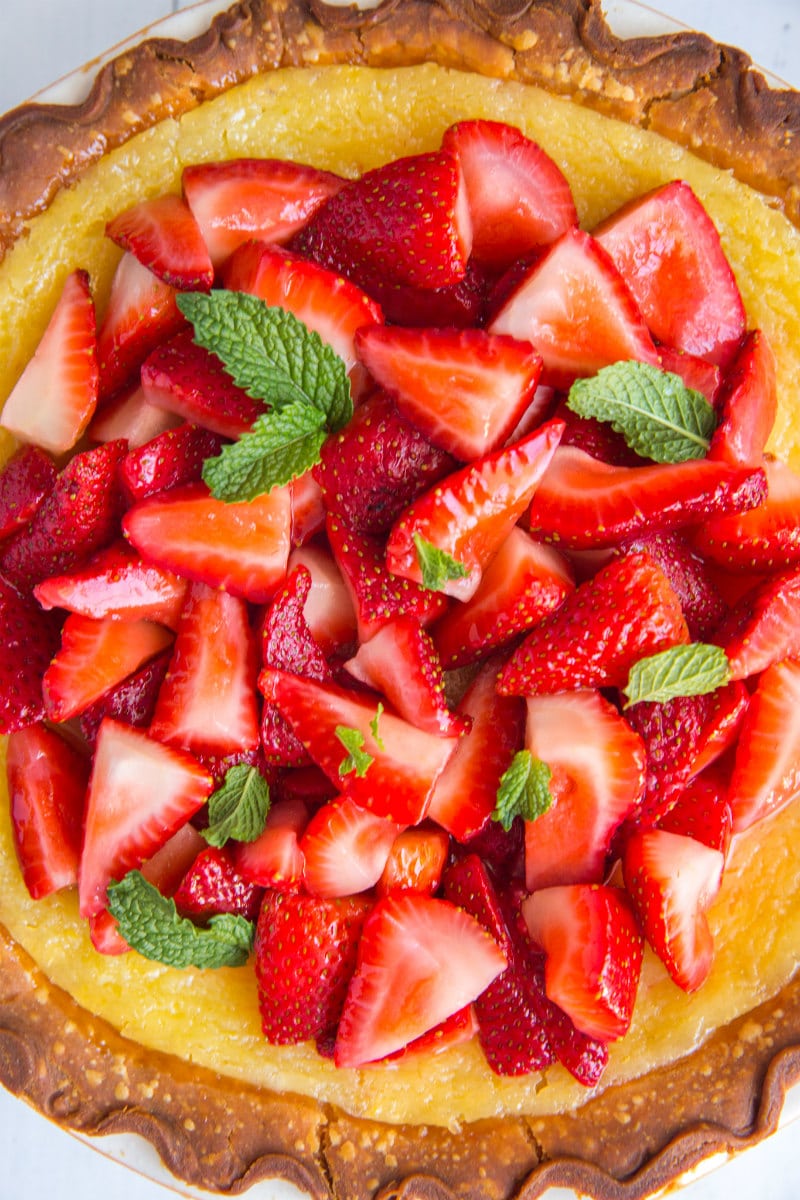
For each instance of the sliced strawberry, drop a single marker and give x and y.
(523, 582)
(416, 861)
(697, 373)
(140, 793)
(94, 656)
(116, 582)
(597, 765)
(672, 880)
(47, 780)
(471, 513)
(576, 309)
(128, 415)
(703, 812)
(213, 885)
(586, 504)
(594, 954)
(26, 479)
(28, 640)
(455, 1030)
(174, 458)
(766, 774)
(308, 508)
(133, 701)
(305, 955)
(53, 400)
(458, 305)
(208, 701)
(274, 859)
(597, 438)
(668, 251)
(377, 465)
(764, 627)
(628, 611)
(141, 312)
(420, 960)
(721, 728)
(400, 660)
(328, 609)
(701, 601)
(406, 761)
(79, 516)
(518, 198)
(164, 236)
(406, 222)
(747, 404)
(264, 198)
(466, 390)
(763, 538)
(241, 547)
(345, 848)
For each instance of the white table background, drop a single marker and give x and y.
(44, 40)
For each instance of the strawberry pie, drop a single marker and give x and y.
(400, 575)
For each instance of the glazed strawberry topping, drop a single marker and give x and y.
(424, 620)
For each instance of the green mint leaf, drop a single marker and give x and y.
(152, 925)
(373, 726)
(280, 446)
(269, 353)
(238, 809)
(357, 759)
(524, 790)
(659, 417)
(437, 566)
(680, 671)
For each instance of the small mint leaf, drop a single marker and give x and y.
(238, 809)
(151, 924)
(659, 417)
(437, 566)
(373, 726)
(524, 790)
(280, 446)
(691, 670)
(357, 759)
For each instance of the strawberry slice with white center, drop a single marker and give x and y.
(141, 312)
(465, 389)
(345, 848)
(54, 399)
(594, 954)
(140, 793)
(274, 859)
(766, 774)
(597, 765)
(764, 627)
(672, 881)
(116, 583)
(241, 547)
(264, 198)
(668, 250)
(208, 701)
(164, 236)
(129, 416)
(420, 960)
(406, 761)
(469, 514)
(763, 538)
(577, 310)
(518, 198)
(587, 504)
(328, 609)
(747, 404)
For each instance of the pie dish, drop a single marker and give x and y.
(309, 1141)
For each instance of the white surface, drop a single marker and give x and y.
(48, 38)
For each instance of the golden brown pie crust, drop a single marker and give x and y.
(219, 1133)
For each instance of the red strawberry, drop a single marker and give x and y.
(586, 504)
(28, 641)
(133, 701)
(26, 479)
(672, 880)
(523, 582)
(466, 390)
(701, 601)
(461, 1027)
(576, 309)
(263, 198)
(518, 198)
(129, 416)
(697, 373)
(458, 305)
(140, 793)
(766, 775)
(345, 848)
(47, 780)
(274, 859)
(328, 609)
(94, 656)
(116, 582)
(597, 765)
(594, 437)
(208, 701)
(721, 727)
(763, 538)
(594, 954)
(702, 811)
(305, 955)
(764, 627)
(405, 222)
(141, 312)
(628, 611)
(377, 465)
(747, 404)
(308, 508)
(213, 885)
(240, 547)
(420, 960)
(172, 459)
(164, 236)
(668, 251)
(416, 861)
(471, 513)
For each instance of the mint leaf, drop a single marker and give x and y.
(357, 759)
(373, 726)
(689, 670)
(239, 808)
(659, 417)
(524, 790)
(437, 566)
(280, 446)
(151, 924)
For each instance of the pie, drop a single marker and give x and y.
(113, 1044)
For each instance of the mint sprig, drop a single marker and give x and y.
(659, 417)
(238, 809)
(151, 924)
(357, 758)
(524, 790)
(438, 567)
(280, 446)
(691, 670)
